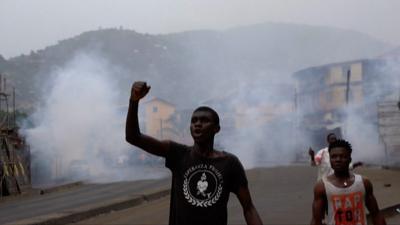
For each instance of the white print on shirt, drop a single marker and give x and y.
(202, 185)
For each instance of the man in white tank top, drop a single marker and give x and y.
(345, 196)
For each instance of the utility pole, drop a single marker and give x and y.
(348, 86)
(348, 78)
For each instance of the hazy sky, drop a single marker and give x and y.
(34, 24)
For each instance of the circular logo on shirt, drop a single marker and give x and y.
(202, 185)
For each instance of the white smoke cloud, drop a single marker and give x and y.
(361, 125)
(363, 135)
(263, 113)
(78, 133)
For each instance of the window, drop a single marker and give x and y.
(155, 109)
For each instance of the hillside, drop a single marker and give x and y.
(189, 67)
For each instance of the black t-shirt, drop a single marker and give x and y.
(201, 186)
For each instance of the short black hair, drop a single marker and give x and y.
(212, 111)
(340, 143)
(330, 134)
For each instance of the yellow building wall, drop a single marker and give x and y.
(157, 115)
(335, 75)
(356, 72)
(356, 78)
(338, 97)
(334, 95)
(357, 94)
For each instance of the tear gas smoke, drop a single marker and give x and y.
(263, 115)
(361, 127)
(78, 132)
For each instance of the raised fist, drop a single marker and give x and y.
(139, 90)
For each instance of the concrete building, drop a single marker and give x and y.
(327, 95)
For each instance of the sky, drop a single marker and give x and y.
(27, 25)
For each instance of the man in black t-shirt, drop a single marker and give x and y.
(202, 177)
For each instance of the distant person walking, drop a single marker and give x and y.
(202, 177)
(345, 196)
(321, 159)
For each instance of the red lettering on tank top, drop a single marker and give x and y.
(348, 209)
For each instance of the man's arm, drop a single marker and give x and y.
(372, 205)
(311, 153)
(132, 130)
(249, 211)
(319, 204)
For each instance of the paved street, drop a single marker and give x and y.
(282, 195)
(75, 200)
(395, 220)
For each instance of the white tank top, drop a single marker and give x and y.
(346, 205)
